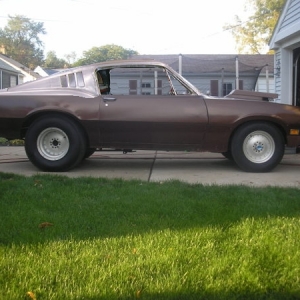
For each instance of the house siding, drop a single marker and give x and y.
(292, 16)
(8, 75)
(277, 74)
(285, 40)
(24, 73)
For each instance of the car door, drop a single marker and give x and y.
(141, 113)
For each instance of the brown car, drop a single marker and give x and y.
(142, 105)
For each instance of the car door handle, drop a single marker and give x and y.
(110, 99)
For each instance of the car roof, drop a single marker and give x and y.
(118, 63)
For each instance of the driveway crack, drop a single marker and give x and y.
(152, 166)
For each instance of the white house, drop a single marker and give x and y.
(286, 43)
(219, 74)
(43, 72)
(24, 73)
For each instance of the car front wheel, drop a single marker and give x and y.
(257, 147)
(55, 144)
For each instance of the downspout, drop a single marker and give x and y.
(267, 78)
(295, 80)
(141, 83)
(155, 82)
(258, 71)
(0, 79)
(237, 73)
(222, 83)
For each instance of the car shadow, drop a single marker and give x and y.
(87, 208)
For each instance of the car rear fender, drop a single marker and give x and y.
(32, 117)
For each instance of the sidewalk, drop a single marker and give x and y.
(159, 166)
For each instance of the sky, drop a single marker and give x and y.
(148, 27)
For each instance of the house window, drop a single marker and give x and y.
(13, 81)
(227, 88)
(145, 88)
(146, 85)
(20, 79)
(5, 80)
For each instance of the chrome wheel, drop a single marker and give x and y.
(259, 146)
(53, 143)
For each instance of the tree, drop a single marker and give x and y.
(20, 39)
(53, 62)
(253, 35)
(70, 58)
(104, 53)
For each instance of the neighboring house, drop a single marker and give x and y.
(218, 75)
(24, 73)
(286, 43)
(9, 76)
(45, 71)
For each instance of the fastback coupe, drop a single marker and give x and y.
(144, 104)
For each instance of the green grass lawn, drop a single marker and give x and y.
(88, 238)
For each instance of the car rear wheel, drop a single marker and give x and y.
(55, 144)
(257, 147)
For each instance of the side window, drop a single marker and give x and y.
(64, 81)
(103, 78)
(80, 81)
(72, 82)
(227, 88)
(144, 81)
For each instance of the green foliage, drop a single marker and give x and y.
(104, 53)
(20, 39)
(3, 141)
(53, 62)
(70, 58)
(17, 142)
(93, 238)
(253, 35)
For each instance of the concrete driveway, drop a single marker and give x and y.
(159, 166)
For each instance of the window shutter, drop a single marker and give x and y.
(132, 87)
(159, 87)
(241, 84)
(214, 88)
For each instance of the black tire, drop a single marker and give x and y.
(257, 147)
(89, 152)
(55, 143)
(227, 155)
